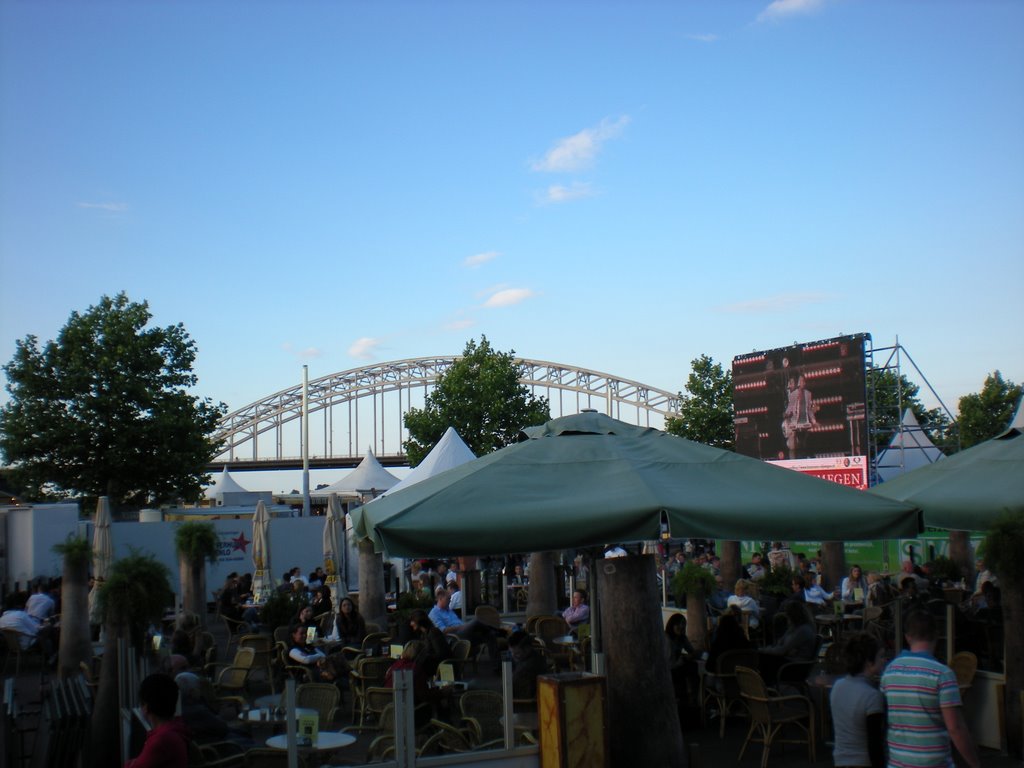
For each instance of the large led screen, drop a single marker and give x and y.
(805, 402)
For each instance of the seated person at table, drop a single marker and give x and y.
(40, 605)
(454, 595)
(796, 590)
(527, 663)
(421, 692)
(446, 620)
(729, 636)
(305, 618)
(858, 707)
(322, 668)
(879, 592)
(755, 570)
(167, 741)
(578, 611)
(435, 648)
(745, 602)
(31, 632)
(229, 598)
(719, 597)
(349, 626)
(855, 587)
(322, 601)
(814, 595)
(682, 660)
(798, 643)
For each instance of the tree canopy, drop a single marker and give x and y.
(105, 410)
(706, 413)
(894, 393)
(985, 414)
(481, 397)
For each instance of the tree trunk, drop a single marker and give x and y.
(372, 603)
(960, 552)
(105, 744)
(697, 620)
(643, 724)
(543, 595)
(732, 566)
(1013, 626)
(833, 558)
(193, 587)
(75, 636)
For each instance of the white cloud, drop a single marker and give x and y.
(364, 348)
(109, 207)
(508, 297)
(477, 259)
(578, 151)
(458, 325)
(780, 9)
(772, 304)
(309, 353)
(704, 38)
(560, 193)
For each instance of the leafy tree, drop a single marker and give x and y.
(705, 414)
(104, 409)
(893, 395)
(987, 413)
(481, 397)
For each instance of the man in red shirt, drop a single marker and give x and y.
(167, 741)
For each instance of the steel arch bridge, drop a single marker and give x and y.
(363, 407)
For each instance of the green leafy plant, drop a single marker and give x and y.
(197, 541)
(75, 550)
(776, 582)
(280, 609)
(691, 579)
(945, 569)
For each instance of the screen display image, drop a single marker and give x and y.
(806, 401)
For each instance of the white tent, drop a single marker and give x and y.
(368, 476)
(909, 449)
(224, 484)
(449, 452)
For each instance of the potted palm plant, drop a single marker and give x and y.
(197, 544)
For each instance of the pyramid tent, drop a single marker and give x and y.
(449, 452)
(223, 484)
(368, 476)
(909, 449)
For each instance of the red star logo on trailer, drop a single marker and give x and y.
(240, 543)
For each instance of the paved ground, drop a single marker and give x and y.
(705, 745)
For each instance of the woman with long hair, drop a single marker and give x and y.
(435, 646)
(349, 626)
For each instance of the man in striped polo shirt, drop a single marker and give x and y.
(923, 701)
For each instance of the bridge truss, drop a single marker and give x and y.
(363, 407)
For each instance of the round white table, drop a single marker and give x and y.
(325, 740)
(255, 715)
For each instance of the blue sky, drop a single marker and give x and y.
(618, 186)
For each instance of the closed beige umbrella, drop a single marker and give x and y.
(102, 554)
(334, 550)
(262, 582)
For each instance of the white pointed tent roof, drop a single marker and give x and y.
(909, 449)
(369, 475)
(449, 452)
(225, 483)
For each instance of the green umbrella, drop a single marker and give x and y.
(969, 490)
(589, 480)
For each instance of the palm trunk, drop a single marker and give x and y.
(75, 637)
(729, 552)
(697, 620)
(833, 557)
(372, 603)
(106, 741)
(193, 586)
(542, 599)
(643, 724)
